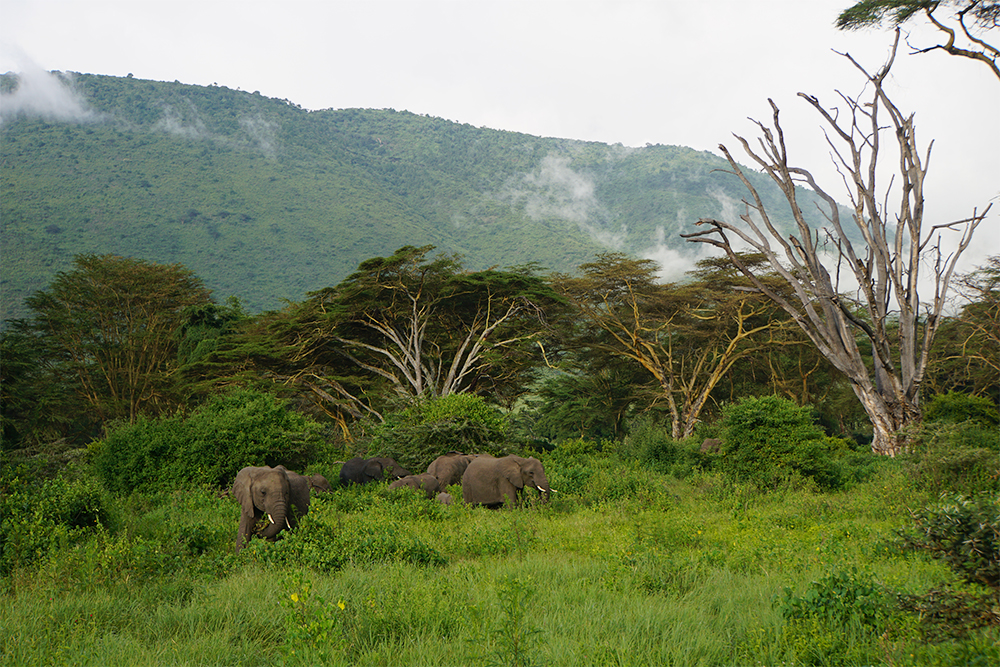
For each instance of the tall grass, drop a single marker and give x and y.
(651, 571)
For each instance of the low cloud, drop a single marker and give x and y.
(189, 125)
(556, 190)
(262, 132)
(46, 95)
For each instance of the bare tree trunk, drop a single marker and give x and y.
(886, 308)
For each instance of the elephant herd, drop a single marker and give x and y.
(283, 495)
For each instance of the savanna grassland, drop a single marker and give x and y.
(627, 565)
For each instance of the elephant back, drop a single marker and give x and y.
(449, 468)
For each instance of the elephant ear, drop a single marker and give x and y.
(373, 469)
(242, 489)
(510, 468)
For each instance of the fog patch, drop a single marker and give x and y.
(674, 264)
(46, 95)
(556, 190)
(189, 126)
(262, 132)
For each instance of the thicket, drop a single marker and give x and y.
(239, 428)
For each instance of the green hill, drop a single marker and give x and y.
(266, 201)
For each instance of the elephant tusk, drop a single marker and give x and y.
(269, 518)
(288, 524)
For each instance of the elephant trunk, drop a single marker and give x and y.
(278, 517)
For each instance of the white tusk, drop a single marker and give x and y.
(553, 491)
(269, 518)
(288, 524)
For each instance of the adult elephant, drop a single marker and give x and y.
(449, 468)
(264, 490)
(424, 482)
(361, 470)
(494, 482)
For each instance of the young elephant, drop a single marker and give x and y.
(494, 482)
(449, 468)
(361, 471)
(264, 490)
(423, 482)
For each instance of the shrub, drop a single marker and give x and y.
(37, 518)
(956, 458)
(210, 446)
(420, 433)
(962, 532)
(769, 440)
(956, 407)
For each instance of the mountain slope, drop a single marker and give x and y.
(267, 201)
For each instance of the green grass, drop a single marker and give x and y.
(678, 573)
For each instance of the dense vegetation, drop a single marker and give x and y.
(790, 543)
(267, 201)
(715, 497)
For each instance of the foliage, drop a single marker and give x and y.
(971, 19)
(955, 408)
(111, 322)
(964, 533)
(655, 447)
(516, 642)
(420, 433)
(41, 517)
(960, 458)
(769, 439)
(268, 201)
(209, 446)
(683, 337)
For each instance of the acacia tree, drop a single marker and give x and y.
(887, 309)
(967, 22)
(687, 337)
(110, 323)
(425, 327)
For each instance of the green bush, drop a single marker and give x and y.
(769, 440)
(956, 407)
(962, 532)
(956, 457)
(39, 517)
(233, 430)
(420, 433)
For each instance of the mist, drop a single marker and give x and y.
(46, 95)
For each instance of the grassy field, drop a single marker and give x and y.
(624, 567)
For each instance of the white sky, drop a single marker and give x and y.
(683, 72)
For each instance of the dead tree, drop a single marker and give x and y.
(883, 315)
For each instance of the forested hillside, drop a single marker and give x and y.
(267, 201)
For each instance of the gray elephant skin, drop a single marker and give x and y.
(494, 482)
(262, 490)
(424, 482)
(449, 468)
(362, 471)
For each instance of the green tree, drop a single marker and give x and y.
(427, 328)
(958, 20)
(111, 322)
(686, 336)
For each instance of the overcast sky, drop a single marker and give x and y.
(685, 72)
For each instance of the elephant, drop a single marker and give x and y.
(448, 468)
(423, 482)
(263, 490)
(494, 482)
(361, 470)
(301, 487)
(445, 498)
